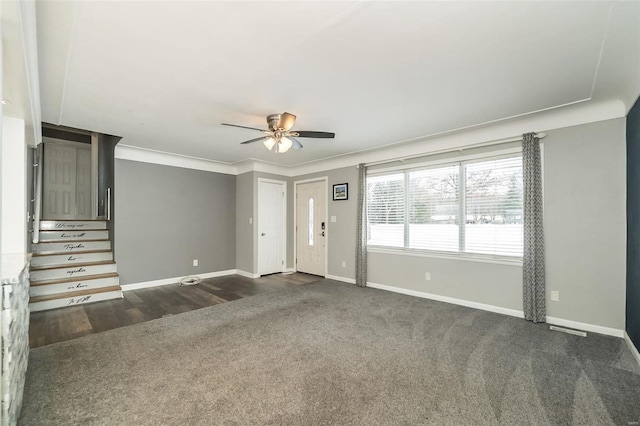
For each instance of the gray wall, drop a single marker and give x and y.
(585, 220)
(168, 216)
(584, 190)
(244, 229)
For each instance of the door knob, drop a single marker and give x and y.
(263, 234)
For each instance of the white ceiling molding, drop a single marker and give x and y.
(253, 165)
(573, 115)
(132, 153)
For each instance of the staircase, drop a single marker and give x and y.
(72, 264)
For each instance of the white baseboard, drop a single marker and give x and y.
(467, 303)
(166, 281)
(632, 347)
(497, 309)
(246, 274)
(338, 278)
(290, 270)
(585, 327)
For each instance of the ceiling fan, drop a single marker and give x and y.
(279, 137)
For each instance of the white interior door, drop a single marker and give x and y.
(311, 221)
(59, 185)
(271, 226)
(67, 181)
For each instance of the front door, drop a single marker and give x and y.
(271, 226)
(67, 181)
(311, 233)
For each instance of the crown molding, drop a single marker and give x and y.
(132, 153)
(568, 116)
(583, 112)
(252, 165)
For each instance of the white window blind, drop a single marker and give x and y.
(493, 200)
(434, 209)
(385, 210)
(467, 208)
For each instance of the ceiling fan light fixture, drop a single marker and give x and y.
(279, 138)
(284, 144)
(269, 143)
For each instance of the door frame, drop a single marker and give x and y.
(324, 179)
(257, 223)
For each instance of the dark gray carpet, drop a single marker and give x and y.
(333, 353)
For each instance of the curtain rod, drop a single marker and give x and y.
(445, 150)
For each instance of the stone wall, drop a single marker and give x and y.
(14, 335)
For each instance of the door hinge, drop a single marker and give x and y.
(282, 263)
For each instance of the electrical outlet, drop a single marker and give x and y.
(344, 264)
(427, 276)
(333, 219)
(555, 296)
(195, 262)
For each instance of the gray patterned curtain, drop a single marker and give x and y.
(533, 284)
(361, 229)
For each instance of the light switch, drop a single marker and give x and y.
(250, 221)
(333, 218)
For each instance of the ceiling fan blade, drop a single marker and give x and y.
(254, 140)
(286, 121)
(296, 143)
(242, 127)
(311, 134)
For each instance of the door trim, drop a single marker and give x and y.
(94, 175)
(324, 179)
(257, 223)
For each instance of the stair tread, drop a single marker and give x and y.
(72, 220)
(74, 279)
(80, 293)
(69, 241)
(74, 265)
(73, 230)
(74, 241)
(70, 253)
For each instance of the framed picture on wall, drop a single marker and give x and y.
(340, 192)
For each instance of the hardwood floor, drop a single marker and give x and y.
(57, 325)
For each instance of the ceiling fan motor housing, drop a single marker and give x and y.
(272, 121)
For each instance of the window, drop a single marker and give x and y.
(472, 207)
(434, 208)
(385, 210)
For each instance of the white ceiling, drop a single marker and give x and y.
(164, 75)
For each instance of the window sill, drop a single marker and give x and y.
(439, 255)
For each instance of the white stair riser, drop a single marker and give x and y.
(72, 272)
(77, 225)
(46, 290)
(75, 235)
(72, 301)
(70, 259)
(70, 247)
